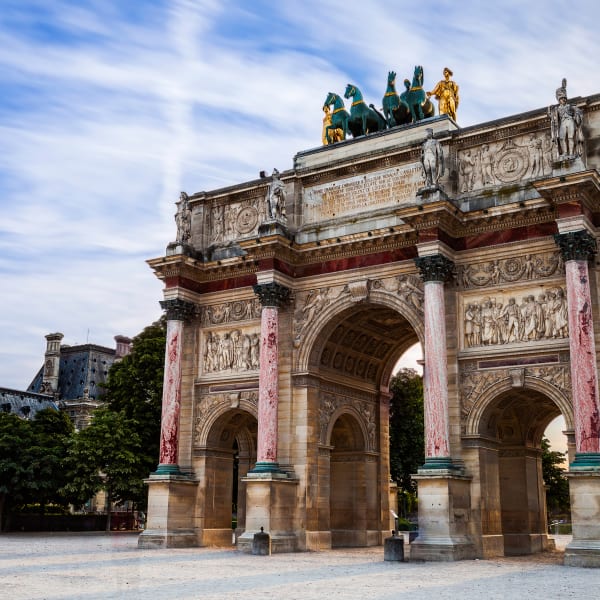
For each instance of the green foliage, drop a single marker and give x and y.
(407, 450)
(120, 447)
(557, 492)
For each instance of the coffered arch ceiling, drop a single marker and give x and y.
(363, 343)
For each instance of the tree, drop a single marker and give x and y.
(557, 490)
(52, 431)
(120, 447)
(407, 446)
(16, 440)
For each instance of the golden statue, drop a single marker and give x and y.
(446, 93)
(336, 135)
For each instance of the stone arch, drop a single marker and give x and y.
(490, 395)
(504, 428)
(316, 331)
(356, 426)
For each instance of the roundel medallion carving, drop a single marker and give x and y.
(511, 164)
(247, 219)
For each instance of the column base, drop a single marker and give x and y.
(584, 550)
(265, 467)
(586, 461)
(166, 469)
(444, 515)
(440, 463)
(171, 503)
(270, 504)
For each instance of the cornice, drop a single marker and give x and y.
(583, 186)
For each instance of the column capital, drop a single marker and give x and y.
(435, 267)
(177, 309)
(272, 294)
(576, 245)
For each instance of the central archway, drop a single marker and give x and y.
(352, 358)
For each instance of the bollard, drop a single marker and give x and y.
(261, 543)
(393, 548)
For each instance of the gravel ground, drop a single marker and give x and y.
(103, 566)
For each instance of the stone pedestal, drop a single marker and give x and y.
(270, 504)
(171, 502)
(584, 550)
(444, 514)
(393, 548)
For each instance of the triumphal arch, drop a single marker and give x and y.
(290, 298)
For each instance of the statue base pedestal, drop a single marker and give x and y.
(584, 549)
(175, 248)
(444, 514)
(171, 502)
(274, 227)
(432, 193)
(270, 502)
(564, 165)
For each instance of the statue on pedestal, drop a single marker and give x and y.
(566, 123)
(446, 93)
(276, 199)
(183, 219)
(432, 160)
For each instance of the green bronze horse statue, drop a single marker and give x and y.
(395, 109)
(416, 97)
(363, 120)
(339, 117)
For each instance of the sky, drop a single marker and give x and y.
(110, 108)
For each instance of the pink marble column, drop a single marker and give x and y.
(435, 270)
(577, 248)
(177, 312)
(272, 296)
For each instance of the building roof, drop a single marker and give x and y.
(24, 404)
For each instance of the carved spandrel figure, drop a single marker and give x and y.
(183, 219)
(276, 198)
(566, 123)
(432, 159)
(446, 93)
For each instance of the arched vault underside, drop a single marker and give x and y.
(362, 342)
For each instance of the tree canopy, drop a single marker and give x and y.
(557, 484)
(407, 449)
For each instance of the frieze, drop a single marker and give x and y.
(230, 312)
(228, 222)
(330, 403)
(502, 318)
(209, 403)
(516, 268)
(230, 351)
(506, 161)
(474, 383)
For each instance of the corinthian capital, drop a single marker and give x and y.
(272, 294)
(435, 268)
(177, 309)
(576, 245)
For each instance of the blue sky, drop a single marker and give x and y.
(109, 108)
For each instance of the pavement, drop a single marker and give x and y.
(103, 566)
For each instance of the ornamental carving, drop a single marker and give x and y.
(272, 294)
(474, 383)
(178, 309)
(509, 161)
(435, 268)
(209, 403)
(230, 351)
(505, 319)
(226, 223)
(576, 245)
(330, 403)
(517, 268)
(230, 312)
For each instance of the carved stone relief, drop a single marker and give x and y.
(208, 403)
(331, 402)
(239, 219)
(509, 270)
(230, 350)
(509, 161)
(309, 304)
(230, 312)
(504, 318)
(474, 383)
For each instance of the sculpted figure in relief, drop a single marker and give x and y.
(276, 198)
(486, 161)
(566, 121)
(183, 219)
(231, 351)
(466, 168)
(432, 160)
(491, 322)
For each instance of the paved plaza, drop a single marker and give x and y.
(103, 566)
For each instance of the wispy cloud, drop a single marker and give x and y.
(108, 109)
